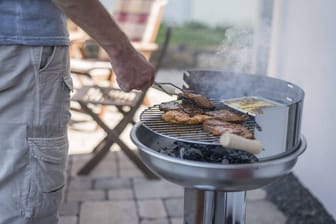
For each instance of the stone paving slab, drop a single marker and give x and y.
(124, 161)
(111, 183)
(154, 221)
(109, 212)
(107, 167)
(88, 195)
(145, 189)
(175, 207)
(255, 195)
(151, 209)
(80, 183)
(120, 194)
(176, 221)
(263, 212)
(130, 173)
(68, 220)
(69, 209)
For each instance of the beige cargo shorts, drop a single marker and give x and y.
(35, 86)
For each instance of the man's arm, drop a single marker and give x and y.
(132, 69)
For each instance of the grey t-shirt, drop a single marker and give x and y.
(32, 22)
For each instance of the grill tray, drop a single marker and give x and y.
(152, 120)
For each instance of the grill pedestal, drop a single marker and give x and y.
(214, 207)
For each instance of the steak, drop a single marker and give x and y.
(191, 109)
(168, 106)
(197, 99)
(180, 117)
(217, 127)
(227, 115)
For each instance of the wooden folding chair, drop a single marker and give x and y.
(126, 103)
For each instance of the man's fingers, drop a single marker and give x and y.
(137, 74)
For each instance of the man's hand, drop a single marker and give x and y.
(132, 69)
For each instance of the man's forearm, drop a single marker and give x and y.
(133, 71)
(92, 17)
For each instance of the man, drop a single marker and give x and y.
(35, 86)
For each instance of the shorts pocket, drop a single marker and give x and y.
(46, 178)
(68, 82)
(47, 56)
(48, 157)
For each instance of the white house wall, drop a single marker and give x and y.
(304, 52)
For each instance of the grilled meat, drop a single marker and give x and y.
(197, 99)
(168, 106)
(175, 116)
(227, 115)
(191, 109)
(180, 117)
(217, 127)
(198, 119)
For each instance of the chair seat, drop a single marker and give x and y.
(106, 96)
(86, 66)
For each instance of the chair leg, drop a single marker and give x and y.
(102, 111)
(146, 102)
(93, 162)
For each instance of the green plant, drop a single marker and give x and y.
(194, 35)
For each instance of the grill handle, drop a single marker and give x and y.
(167, 87)
(241, 143)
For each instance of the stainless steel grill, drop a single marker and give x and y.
(151, 118)
(215, 193)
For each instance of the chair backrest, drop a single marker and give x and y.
(139, 19)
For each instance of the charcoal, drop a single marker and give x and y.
(191, 154)
(208, 153)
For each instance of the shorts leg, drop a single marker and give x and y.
(35, 90)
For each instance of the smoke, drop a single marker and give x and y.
(262, 40)
(236, 49)
(234, 54)
(244, 49)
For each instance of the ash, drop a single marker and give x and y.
(208, 153)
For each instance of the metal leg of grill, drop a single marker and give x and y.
(214, 207)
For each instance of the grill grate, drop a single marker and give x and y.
(151, 119)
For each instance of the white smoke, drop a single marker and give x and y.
(234, 53)
(236, 49)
